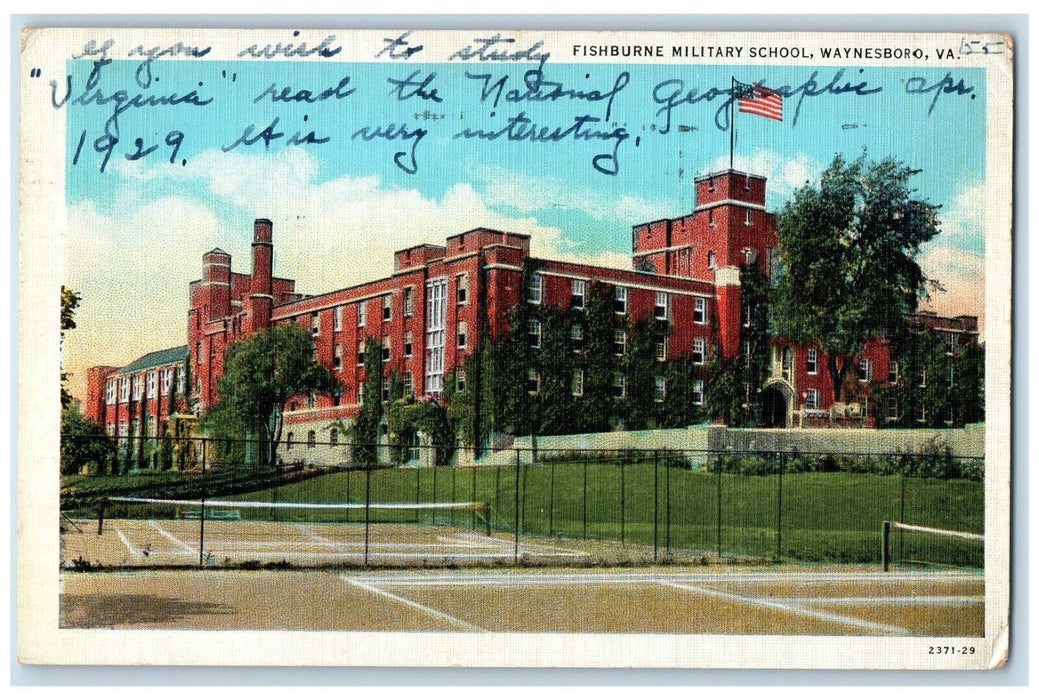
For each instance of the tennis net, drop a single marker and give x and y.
(908, 545)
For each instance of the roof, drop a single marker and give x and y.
(159, 358)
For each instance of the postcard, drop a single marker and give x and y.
(514, 348)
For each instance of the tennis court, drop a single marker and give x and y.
(686, 600)
(176, 542)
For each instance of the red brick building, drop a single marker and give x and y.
(429, 313)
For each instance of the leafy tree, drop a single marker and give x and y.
(69, 302)
(83, 442)
(262, 372)
(366, 429)
(848, 248)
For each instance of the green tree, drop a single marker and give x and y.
(69, 302)
(848, 248)
(262, 372)
(366, 429)
(83, 443)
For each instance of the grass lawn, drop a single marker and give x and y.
(824, 516)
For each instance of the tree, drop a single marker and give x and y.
(848, 248)
(83, 442)
(69, 301)
(261, 374)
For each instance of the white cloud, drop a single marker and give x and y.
(528, 193)
(963, 221)
(784, 173)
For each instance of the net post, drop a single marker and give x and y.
(719, 512)
(885, 554)
(101, 516)
(516, 510)
(487, 517)
(367, 511)
(584, 499)
(667, 508)
(656, 505)
(551, 498)
(202, 512)
(622, 501)
(779, 507)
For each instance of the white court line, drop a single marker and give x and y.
(783, 607)
(173, 539)
(943, 600)
(806, 578)
(133, 550)
(418, 606)
(539, 549)
(316, 537)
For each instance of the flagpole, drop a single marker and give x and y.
(732, 119)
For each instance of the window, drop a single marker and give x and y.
(659, 390)
(460, 380)
(360, 352)
(577, 336)
(534, 332)
(699, 351)
(315, 324)
(333, 437)
(749, 255)
(865, 370)
(180, 382)
(891, 408)
(787, 363)
(462, 288)
(311, 439)
(748, 219)
(698, 392)
(337, 318)
(663, 307)
(409, 301)
(289, 441)
(951, 375)
(710, 185)
(198, 353)
(124, 389)
(577, 383)
(387, 307)
(923, 378)
(921, 417)
(385, 349)
(463, 335)
(385, 390)
(620, 341)
(812, 399)
(153, 383)
(311, 400)
(620, 385)
(812, 361)
(110, 429)
(362, 314)
(710, 218)
(409, 384)
(124, 429)
(166, 378)
(110, 392)
(337, 358)
(408, 345)
(892, 372)
(950, 341)
(578, 290)
(700, 311)
(620, 300)
(436, 322)
(138, 387)
(533, 381)
(536, 288)
(662, 349)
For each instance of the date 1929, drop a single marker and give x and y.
(965, 651)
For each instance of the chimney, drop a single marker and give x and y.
(261, 286)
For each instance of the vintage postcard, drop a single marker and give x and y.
(514, 348)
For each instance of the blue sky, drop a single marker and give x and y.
(139, 228)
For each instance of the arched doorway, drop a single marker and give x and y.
(773, 408)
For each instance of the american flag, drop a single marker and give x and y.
(760, 100)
